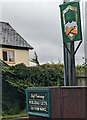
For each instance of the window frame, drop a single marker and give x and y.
(8, 56)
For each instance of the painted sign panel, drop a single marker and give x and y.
(38, 101)
(71, 22)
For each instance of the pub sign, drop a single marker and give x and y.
(71, 21)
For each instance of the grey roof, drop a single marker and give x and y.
(9, 37)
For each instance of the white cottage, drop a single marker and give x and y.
(13, 48)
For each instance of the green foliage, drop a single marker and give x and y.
(16, 78)
(80, 70)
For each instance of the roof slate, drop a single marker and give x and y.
(9, 37)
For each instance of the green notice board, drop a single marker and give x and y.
(38, 101)
(71, 21)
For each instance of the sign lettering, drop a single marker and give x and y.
(38, 102)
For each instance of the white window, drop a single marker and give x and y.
(8, 56)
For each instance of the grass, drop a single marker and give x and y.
(22, 114)
(14, 116)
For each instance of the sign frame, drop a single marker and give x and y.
(76, 34)
(38, 90)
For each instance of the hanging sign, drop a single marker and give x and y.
(71, 22)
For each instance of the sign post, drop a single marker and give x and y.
(85, 42)
(71, 30)
(66, 60)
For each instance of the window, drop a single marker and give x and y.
(8, 56)
(4, 55)
(11, 56)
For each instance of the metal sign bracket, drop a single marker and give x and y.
(78, 47)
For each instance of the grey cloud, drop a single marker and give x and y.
(39, 24)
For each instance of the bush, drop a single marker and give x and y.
(16, 78)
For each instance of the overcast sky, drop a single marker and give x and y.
(39, 24)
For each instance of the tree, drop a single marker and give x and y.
(35, 59)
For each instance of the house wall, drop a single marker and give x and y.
(20, 56)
